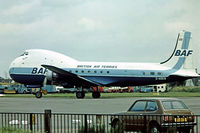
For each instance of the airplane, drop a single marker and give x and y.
(38, 67)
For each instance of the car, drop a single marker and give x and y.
(154, 115)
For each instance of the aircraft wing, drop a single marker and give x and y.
(71, 78)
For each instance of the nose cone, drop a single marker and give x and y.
(15, 68)
(14, 63)
(12, 67)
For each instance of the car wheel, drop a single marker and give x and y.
(118, 127)
(154, 129)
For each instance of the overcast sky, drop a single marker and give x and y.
(97, 30)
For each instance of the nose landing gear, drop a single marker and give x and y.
(80, 94)
(38, 94)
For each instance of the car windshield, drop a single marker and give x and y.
(168, 105)
(139, 106)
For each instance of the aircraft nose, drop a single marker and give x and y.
(15, 63)
(11, 71)
(11, 67)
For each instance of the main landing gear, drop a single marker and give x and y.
(96, 94)
(80, 94)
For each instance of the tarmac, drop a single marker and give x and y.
(83, 106)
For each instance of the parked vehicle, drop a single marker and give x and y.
(154, 115)
(146, 89)
(24, 90)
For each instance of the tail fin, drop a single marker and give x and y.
(181, 57)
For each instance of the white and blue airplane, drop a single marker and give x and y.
(37, 67)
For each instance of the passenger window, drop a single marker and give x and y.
(76, 71)
(152, 73)
(95, 71)
(151, 106)
(108, 72)
(139, 106)
(88, 71)
(144, 73)
(82, 71)
(159, 73)
(101, 71)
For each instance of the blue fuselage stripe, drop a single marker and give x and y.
(113, 77)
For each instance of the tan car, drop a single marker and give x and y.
(154, 115)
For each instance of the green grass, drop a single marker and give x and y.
(186, 89)
(113, 95)
(93, 129)
(12, 130)
(174, 92)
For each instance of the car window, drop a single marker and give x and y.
(139, 106)
(178, 105)
(174, 105)
(167, 105)
(151, 106)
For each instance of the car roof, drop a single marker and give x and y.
(158, 99)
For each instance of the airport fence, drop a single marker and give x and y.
(48, 122)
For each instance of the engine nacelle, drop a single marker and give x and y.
(54, 79)
(51, 76)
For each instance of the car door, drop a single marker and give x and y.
(151, 112)
(135, 119)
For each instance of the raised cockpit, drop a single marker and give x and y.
(24, 54)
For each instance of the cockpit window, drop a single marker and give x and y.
(25, 53)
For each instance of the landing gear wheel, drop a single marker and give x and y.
(38, 94)
(80, 94)
(96, 94)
